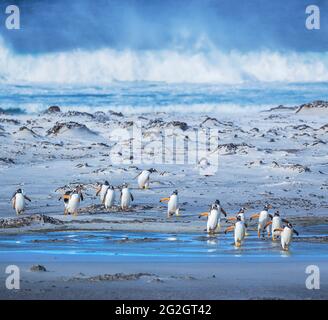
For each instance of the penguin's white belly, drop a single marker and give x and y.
(213, 220)
(239, 232)
(126, 199)
(109, 198)
(276, 224)
(19, 203)
(172, 205)
(143, 179)
(286, 237)
(263, 219)
(73, 203)
(102, 193)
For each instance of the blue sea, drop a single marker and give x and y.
(140, 97)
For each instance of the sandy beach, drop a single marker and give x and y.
(276, 156)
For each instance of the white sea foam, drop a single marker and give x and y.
(130, 110)
(212, 66)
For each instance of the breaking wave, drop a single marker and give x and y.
(103, 66)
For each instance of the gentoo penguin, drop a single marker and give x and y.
(65, 197)
(286, 235)
(240, 231)
(18, 201)
(126, 197)
(264, 218)
(101, 191)
(143, 178)
(276, 224)
(173, 204)
(214, 217)
(73, 204)
(109, 197)
(241, 214)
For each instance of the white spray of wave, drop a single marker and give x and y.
(212, 66)
(213, 109)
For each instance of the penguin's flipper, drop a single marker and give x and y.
(13, 203)
(27, 198)
(137, 175)
(229, 229)
(296, 232)
(98, 191)
(164, 199)
(203, 214)
(132, 199)
(224, 212)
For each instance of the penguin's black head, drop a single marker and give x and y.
(289, 225)
(242, 210)
(267, 206)
(111, 187)
(106, 183)
(277, 214)
(175, 192)
(217, 202)
(214, 206)
(151, 170)
(19, 191)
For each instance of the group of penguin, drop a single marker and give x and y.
(265, 222)
(106, 193)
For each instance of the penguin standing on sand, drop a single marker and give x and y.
(276, 224)
(101, 191)
(109, 197)
(173, 204)
(239, 231)
(286, 235)
(214, 217)
(126, 197)
(73, 204)
(144, 177)
(264, 217)
(18, 201)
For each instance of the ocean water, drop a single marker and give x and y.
(143, 96)
(116, 245)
